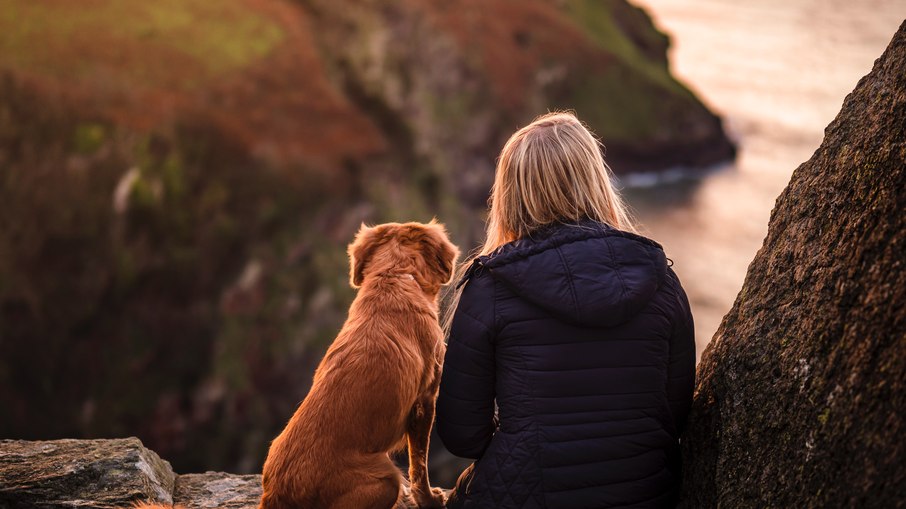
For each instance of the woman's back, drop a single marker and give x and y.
(583, 337)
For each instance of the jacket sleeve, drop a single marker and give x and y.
(465, 404)
(681, 367)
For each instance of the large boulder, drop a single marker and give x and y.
(107, 474)
(801, 395)
(81, 473)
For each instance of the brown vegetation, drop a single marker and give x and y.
(178, 179)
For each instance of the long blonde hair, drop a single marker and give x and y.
(551, 170)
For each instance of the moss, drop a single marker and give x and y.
(126, 270)
(456, 110)
(214, 197)
(145, 192)
(160, 201)
(635, 97)
(173, 175)
(599, 22)
(88, 138)
(823, 416)
(617, 104)
(399, 203)
(229, 363)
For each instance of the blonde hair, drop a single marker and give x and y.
(550, 171)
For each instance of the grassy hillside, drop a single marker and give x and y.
(161, 44)
(179, 178)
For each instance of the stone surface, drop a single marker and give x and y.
(81, 473)
(118, 473)
(217, 489)
(801, 394)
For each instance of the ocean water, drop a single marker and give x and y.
(778, 71)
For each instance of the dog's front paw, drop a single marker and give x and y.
(434, 499)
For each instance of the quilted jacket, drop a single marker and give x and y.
(569, 373)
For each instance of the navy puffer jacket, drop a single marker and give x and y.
(569, 373)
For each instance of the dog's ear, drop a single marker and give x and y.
(360, 251)
(440, 253)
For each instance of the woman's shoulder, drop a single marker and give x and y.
(554, 235)
(475, 304)
(476, 283)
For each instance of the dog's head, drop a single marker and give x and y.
(422, 250)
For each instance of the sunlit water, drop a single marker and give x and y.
(778, 70)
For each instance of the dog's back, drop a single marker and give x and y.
(358, 404)
(384, 363)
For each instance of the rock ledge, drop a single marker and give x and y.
(107, 474)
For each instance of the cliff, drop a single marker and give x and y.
(800, 399)
(178, 181)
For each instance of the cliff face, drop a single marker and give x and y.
(178, 181)
(800, 400)
(449, 82)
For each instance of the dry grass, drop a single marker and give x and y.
(164, 43)
(247, 68)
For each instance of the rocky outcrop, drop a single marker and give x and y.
(801, 395)
(448, 83)
(115, 474)
(218, 490)
(107, 474)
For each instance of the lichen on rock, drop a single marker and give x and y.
(217, 489)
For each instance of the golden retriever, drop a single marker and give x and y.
(376, 386)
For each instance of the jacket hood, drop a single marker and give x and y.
(588, 273)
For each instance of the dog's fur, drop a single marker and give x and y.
(376, 386)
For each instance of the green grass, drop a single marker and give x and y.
(596, 17)
(148, 41)
(617, 104)
(88, 137)
(635, 96)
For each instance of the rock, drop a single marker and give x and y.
(118, 473)
(110, 474)
(801, 395)
(217, 489)
(81, 473)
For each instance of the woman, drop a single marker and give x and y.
(571, 356)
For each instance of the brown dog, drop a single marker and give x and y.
(376, 385)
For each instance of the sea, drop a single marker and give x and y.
(778, 72)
